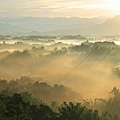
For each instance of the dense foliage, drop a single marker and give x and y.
(23, 107)
(40, 89)
(91, 68)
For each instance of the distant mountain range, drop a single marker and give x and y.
(60, 26)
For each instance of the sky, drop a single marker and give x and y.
(59, 8)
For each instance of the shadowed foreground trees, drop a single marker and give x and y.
(21, 106)
(77, 112)
(112, 105)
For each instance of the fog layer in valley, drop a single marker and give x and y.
(89, 66)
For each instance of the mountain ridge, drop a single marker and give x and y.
(60, 26)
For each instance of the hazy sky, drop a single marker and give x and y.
(59, 8)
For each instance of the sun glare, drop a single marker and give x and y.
(114, 5)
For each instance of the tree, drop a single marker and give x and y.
(71, 111)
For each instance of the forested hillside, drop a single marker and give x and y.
(51, 77)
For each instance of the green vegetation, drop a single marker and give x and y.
(48, 69)
(40, 89)
(21, 106)
(69, 37)
(28, 102)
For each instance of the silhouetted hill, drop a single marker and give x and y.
(44, 25)
(110, 27)
(11, 29)
(60, 26)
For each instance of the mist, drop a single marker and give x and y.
(86, 67)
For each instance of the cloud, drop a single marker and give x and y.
(47, 8)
